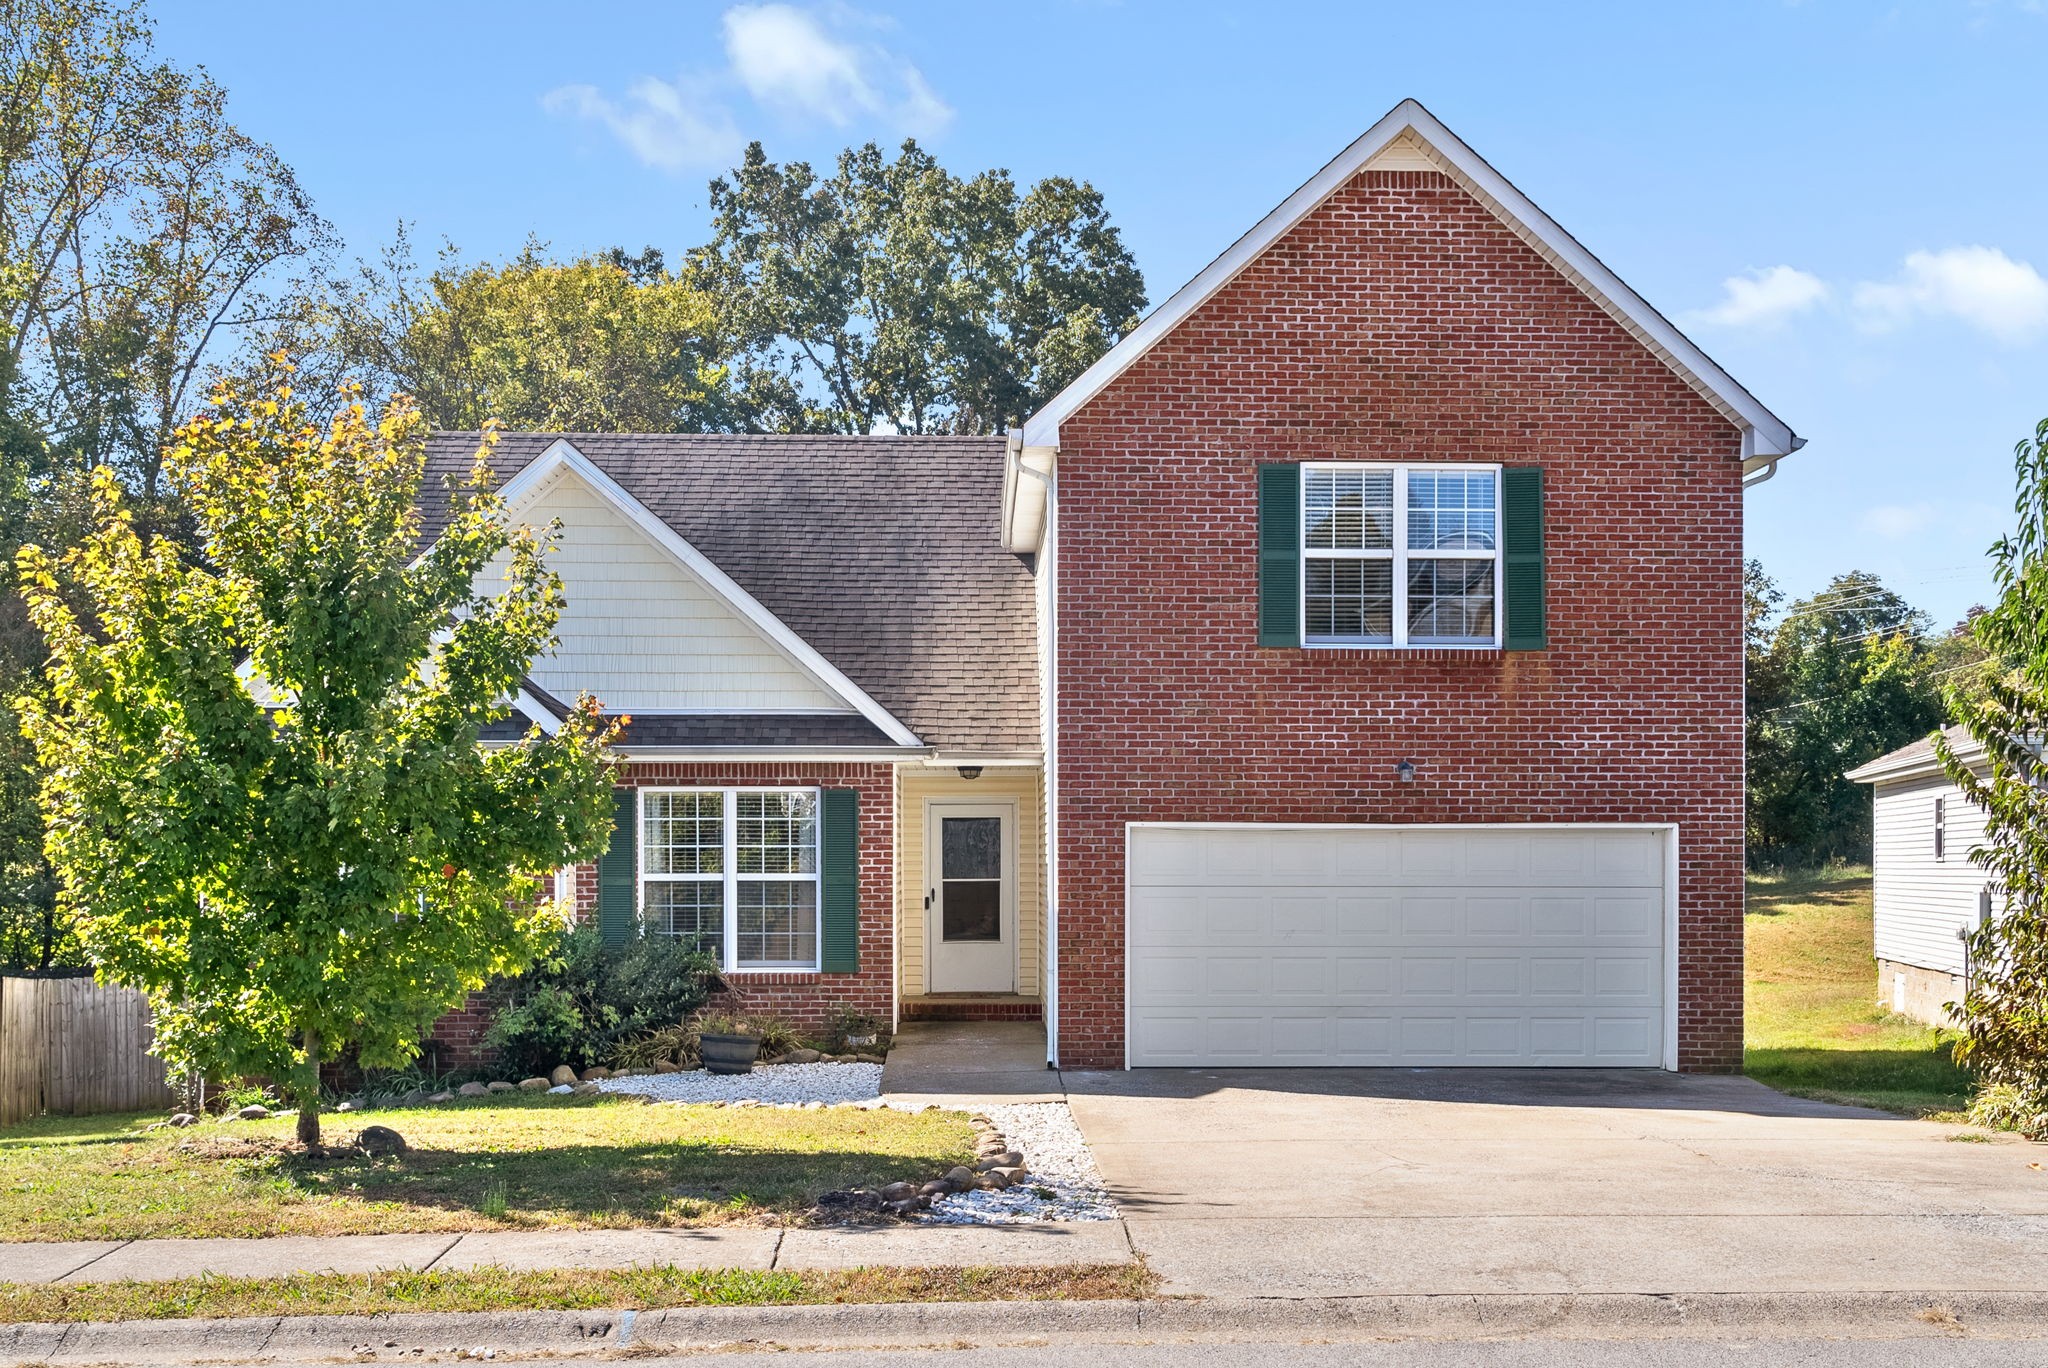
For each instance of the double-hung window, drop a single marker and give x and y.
(735, 870)
(1400, 555)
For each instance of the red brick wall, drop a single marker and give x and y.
(802, 999)
(1399, 321)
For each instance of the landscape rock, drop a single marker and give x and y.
(906, 1207)
(959, 1178)
(442, 1096)
(472, 1090)
(990, 1182)
(586, 1090)
(662, 1066)
(534, 1085)
(802, 1057)
(1012, 1175)
(378, 1140)
(252, 1112)
(595, 1072)
(897, 1192)
(184, 1119)
(869, 1059)
(937, 1187)
(499, 1085)
(348, 1106)
(562, 1074)
(562, 1089)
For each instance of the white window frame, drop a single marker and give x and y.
(1940, 828)
(731, 878)
(1400, 554)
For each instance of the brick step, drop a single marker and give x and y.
(967, 1007)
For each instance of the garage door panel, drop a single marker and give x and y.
(1382, 967)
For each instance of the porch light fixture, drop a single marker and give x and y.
(1405, 771)
(970, 771)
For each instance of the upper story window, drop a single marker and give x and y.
(1400, 555)
(1940, 827)
(736, 870)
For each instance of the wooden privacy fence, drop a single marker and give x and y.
(71, 1045)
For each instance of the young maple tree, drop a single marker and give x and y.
(2005, 1011)
(265, 793)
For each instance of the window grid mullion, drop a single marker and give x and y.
(1400, 623)
(730, 808)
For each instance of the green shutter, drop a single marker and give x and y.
(618, 872)
(1280, 554)
(1522, 575)
(839, 875)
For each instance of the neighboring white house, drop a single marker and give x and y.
(1929, 895)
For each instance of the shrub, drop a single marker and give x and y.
(582, 1003)
(676, 1044)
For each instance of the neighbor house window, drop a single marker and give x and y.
(1940, 828)
(735, 870)
(1400, 555)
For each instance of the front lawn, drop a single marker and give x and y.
(1813, 1027)
(502, 1163)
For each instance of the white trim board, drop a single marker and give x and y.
(1407, 132)
(561, 456)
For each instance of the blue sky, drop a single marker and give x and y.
(1842, 202)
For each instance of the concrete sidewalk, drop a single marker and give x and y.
(900, 1246)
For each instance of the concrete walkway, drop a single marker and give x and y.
(899, 1246)
(970, 1063)
(1384, 1182)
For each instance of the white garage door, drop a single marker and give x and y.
(1345, 945)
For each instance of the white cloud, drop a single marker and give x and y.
(1763, 299)
(666, 125)
(789, 60)
(1894, 522)
(1980, 286)
(807, 66)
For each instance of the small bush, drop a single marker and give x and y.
(2001, 1106)
(583, 1003)
(675, 1044)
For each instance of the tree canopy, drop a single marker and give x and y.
(265, 793)
(901, 297)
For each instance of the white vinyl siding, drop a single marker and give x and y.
(1398, 946)
(1922, 902)
(641, 632)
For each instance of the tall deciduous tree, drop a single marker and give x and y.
(905, 298)
(265, 791)
(609, 343)
(1842, 678)
(2005, 1011)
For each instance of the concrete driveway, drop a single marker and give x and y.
(1336, 1182)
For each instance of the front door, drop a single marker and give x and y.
(971, 897)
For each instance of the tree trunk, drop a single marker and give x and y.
(309, 1091)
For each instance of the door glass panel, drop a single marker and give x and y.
(971, 878)
(973, 847)
(973, 911)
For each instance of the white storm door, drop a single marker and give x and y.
(971, 897)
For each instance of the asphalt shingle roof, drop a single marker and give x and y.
(881, 552)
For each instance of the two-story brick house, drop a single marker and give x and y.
(1345, 670)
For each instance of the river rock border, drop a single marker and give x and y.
(997, 1166)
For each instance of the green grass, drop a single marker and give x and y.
(509, 1163)
(1813, 1027)
(565, 1289)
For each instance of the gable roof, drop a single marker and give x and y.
(1917, 759)
(876, 552)
(1411, 138)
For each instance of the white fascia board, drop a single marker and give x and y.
(561, 455)
(1764, 434)
(536, 712)
(768, 755)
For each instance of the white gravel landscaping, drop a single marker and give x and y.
(779, 1084)
(1059, 1163)
(1063, 1185)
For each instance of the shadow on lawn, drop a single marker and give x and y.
(1913, 1082)
(645, 1183)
